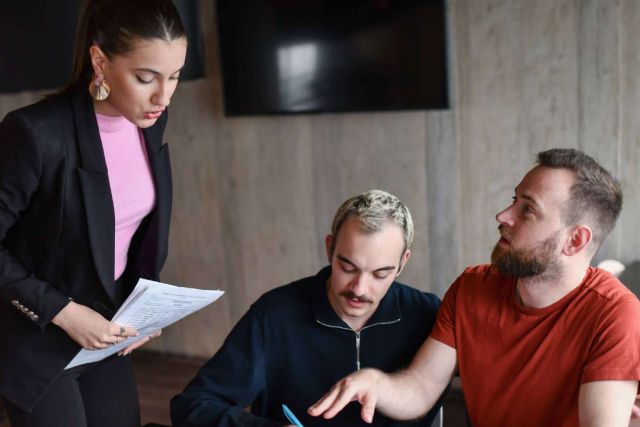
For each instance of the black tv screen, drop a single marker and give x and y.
(310, 56)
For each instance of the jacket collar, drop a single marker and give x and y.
(87, 133)
(388, 309)
(96, 191)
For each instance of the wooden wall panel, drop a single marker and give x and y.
(266, 206)
(357, 152)
(599, 94)
(629, 92)
(444, 235)
(517, 68)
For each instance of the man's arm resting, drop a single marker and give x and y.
(606, 403)
(404, 395)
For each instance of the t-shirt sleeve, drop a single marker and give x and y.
(445, 327)
(615, 353)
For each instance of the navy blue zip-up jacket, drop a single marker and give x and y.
(291, 347)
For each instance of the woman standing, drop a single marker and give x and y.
(85, 203)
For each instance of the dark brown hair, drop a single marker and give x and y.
(115, 25)
(595, 197)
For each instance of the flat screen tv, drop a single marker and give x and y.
(313, 56)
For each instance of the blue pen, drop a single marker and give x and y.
(292, 418)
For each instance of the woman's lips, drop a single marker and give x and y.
(153, 115)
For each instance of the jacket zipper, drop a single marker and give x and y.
(358, 350)
(358, 335)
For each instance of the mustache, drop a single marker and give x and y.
(503, 233)
(359, 298)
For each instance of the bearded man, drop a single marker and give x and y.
(539, 337)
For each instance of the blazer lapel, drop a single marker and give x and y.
(155, 242)
(96, 191)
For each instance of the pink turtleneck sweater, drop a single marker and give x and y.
(130, 179)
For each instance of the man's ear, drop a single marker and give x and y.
(328, 240)
(98, 59)
(579, 238)
(404, 259)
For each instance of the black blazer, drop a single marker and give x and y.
(57, 232)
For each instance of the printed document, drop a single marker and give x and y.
(150, 307)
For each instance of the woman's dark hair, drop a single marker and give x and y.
(115, 25)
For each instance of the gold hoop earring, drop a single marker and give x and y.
(99, 89)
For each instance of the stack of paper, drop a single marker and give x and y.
(150, 307)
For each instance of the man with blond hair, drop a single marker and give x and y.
(297, 340)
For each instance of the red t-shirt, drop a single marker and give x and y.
(524, 367)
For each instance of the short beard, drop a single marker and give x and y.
(539, 262)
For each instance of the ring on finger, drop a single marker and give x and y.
(122, 330)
